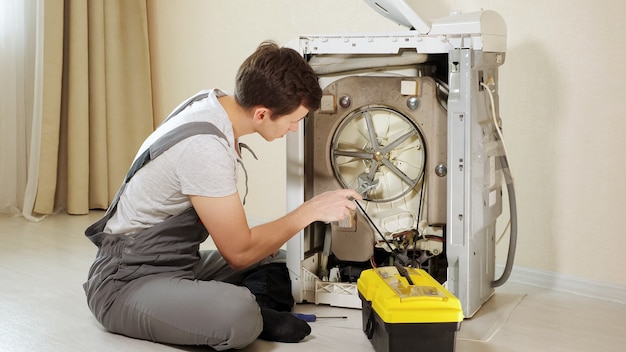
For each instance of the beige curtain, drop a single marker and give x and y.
(97, 101)
(21, 53)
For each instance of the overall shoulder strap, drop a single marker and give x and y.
(167, 141)
(161, 145)
(186, 103)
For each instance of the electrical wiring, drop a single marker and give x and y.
(495, 120)
(400, 262)
(500, 137)
(506, 171)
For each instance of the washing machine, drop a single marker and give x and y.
(409, 119)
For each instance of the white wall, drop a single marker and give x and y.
(561, 101)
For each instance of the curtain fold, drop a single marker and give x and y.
(97, 101)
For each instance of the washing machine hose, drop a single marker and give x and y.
(513, 232)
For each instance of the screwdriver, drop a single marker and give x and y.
(313, 317)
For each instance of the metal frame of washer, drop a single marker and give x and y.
(475, 45)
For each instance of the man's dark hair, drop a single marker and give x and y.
(278, 79)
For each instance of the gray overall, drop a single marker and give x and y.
(157, 285)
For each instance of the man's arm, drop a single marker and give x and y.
(241, 246)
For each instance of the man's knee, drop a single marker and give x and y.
(245, 322)
(186, 312)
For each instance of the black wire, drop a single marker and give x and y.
(399, 263)
(419, 215)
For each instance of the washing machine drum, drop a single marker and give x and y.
(385, 136)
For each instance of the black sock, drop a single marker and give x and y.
(283, 326)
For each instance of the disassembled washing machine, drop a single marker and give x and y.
(410, 120)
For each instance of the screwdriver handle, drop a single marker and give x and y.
(312, 317)
(306, 317)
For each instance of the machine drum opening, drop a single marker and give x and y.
(380, 151)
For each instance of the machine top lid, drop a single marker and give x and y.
(400, 12)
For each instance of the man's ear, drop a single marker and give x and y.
(261, 114)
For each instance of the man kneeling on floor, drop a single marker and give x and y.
(149, 279)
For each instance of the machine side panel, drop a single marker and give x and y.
(295, 197)
(473, 196)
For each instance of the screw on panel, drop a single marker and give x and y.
(345, 101)
(412, 103)
(441, 170)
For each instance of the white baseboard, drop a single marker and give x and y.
(567, 283)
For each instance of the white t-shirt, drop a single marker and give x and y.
(204, 165)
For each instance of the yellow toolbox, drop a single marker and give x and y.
(400, 317)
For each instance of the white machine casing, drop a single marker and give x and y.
(460, 54)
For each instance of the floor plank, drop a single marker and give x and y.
(43, 307)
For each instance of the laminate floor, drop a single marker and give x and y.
(43, 308)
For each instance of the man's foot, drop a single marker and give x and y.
(283, 326)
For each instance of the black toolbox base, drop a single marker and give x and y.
(403, 337)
